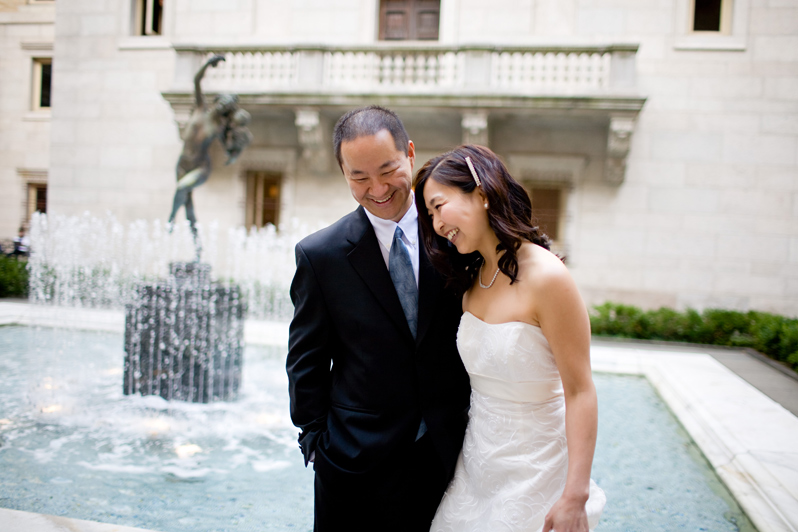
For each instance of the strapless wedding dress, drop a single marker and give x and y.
(515, 458)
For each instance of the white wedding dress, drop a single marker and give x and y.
(515, 458)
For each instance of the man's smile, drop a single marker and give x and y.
(386, 200)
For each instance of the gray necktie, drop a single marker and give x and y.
(404, 280)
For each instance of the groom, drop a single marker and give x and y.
(375, 380)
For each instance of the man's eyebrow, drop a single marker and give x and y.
(387, 164)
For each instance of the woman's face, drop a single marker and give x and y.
(456, 216)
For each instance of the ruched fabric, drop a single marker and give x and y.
(515, 456)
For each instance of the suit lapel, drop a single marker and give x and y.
(366, 259)
(430, 286)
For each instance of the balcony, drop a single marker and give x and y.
(477, 81)
(591, 77)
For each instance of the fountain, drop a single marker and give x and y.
(184, 337)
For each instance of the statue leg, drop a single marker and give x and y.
(185, 184)
(192, 220)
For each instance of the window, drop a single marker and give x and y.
(263, 199)
(720, 25)
(148, 18)
(42, 83)
(546, 209)
(37, 198)
(712, 15)
(402, 20)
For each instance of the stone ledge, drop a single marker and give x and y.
(256, 332)
(17, 521)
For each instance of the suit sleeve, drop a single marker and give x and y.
(309, 356)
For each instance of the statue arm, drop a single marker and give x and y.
(213, 61)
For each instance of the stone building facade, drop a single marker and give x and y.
(658, 138)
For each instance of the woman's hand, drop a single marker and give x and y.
(567, 515)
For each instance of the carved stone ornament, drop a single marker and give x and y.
(619, 140)
(311, 140)
(475, 128)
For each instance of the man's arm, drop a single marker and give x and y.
(213, 61)
(309, 356)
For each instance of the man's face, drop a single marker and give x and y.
(378, 174)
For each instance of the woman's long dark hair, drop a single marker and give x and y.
(509, 215)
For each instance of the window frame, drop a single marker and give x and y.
(559, 219)
(725, 19)
(144, 28)
(36, 84)
(413, 33)
(734, 28)
(253, 213)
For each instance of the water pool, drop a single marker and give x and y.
(72, 444)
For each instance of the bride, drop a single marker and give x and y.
(525, 340)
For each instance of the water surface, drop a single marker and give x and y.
(72, 444)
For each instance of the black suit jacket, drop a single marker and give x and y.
(358, 380)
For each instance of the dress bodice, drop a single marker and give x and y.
(514, 462)
(511, 361)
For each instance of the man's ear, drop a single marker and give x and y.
(411, 153)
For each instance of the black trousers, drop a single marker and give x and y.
(399, 497)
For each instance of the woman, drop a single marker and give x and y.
(525, 340)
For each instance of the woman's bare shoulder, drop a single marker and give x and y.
(538, 265)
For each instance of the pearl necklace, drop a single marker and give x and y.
(491, 281)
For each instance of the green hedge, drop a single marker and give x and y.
(773, 335)
(13, 277)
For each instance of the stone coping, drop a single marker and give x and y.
(257, 332)
(749, 439)
(16, 521)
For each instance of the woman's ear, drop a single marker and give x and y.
(481, 196)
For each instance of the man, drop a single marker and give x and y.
(21, 244)
(375, 380)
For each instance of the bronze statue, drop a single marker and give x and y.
(222, 120)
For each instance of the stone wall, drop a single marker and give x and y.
(26, 33)
(707, 214)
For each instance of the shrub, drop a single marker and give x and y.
(13, 277)
(773, 335)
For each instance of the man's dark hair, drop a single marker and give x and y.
(367, 121)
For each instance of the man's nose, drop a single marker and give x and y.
(379, 189)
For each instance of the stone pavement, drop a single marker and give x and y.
(775, 380)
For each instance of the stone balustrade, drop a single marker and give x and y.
(410, 69)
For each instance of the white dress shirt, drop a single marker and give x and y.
(386, 228)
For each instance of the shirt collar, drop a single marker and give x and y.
(386, 228)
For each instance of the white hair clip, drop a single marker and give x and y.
(473, 172)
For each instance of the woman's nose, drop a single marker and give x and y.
(437, 223)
